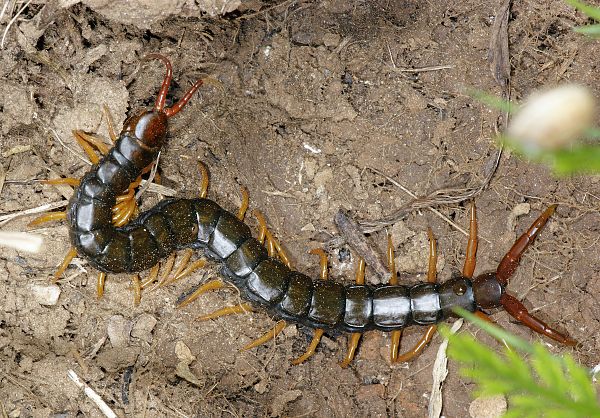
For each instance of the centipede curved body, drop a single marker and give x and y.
(202, 224)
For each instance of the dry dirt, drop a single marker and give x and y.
(312, 94)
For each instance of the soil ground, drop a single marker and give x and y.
(311, 95)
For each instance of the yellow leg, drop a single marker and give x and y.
(211, 285)
(185, 259)
(318, 331)
(311, 348)
(469, 267)
(421, 344)
(167, 267)
(431, 329)
(189, 269)
(71, 181)
(395, 336)
(63, 266)
(48, 217)
(352, 345)
(229, 310)
(205, 180)
(94, 140)
(268, 336)
(265, 237)
(355, 336)
(110, 124)
(100, 284)
(322, 261)
(137, 290)
(245, 203)
(151, 276)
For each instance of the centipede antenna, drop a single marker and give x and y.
(183, 101)
(161, 98)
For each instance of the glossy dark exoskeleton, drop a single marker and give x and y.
(201, 223)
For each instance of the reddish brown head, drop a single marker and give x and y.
(150, 126)
(487, 291)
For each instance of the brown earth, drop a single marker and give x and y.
(312, 94)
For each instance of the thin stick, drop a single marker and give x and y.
(45, 126)
(146, 185)
(13, 20)
(39, 209)
(104, 408)
(411, 194)
(423, 69)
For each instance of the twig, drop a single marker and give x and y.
(422, 69)
(95, 398)
(4, 7)
(13, 20)
(251, 15)
(440, 371)
(353, 234)
(39, 209)
(22, 241)
(147, 184)
(2, 177)
(436, 198)
(45, 126)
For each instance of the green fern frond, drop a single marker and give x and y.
(536, 382)
(591, 12)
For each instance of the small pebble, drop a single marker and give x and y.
(46, 295)
(119, 329)
(143, 327)
(488, 407)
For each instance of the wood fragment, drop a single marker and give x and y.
(440, 371)
(498, 53)
(39, 209)
(355, 237)
(2, 177)
(18, 149)
(90, 393)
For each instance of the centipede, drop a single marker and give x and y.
(103, 230)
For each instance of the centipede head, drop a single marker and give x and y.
(487, 291)
(151, 126)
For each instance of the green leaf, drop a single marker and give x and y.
(585, 8)
(582, 159)
(589, 30)
(493, 101)
(592, 133)
(540, 385)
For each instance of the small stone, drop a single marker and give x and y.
(261, 387)
(143, 327)
(119, 330)
(183, 352)
(46, 295)
(491, 407)
(309, 227)
(331, 40)
(280, 401)
(290, 331)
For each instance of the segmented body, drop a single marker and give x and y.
(201, 223)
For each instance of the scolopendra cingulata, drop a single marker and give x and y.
(258, 267)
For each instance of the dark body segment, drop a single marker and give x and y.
(425, 303)
(327, 304)
(391, 307)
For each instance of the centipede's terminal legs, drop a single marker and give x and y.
(471, 252)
